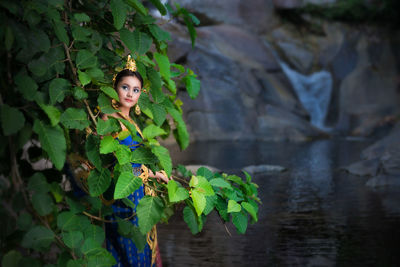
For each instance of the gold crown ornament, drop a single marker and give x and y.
(130, 64)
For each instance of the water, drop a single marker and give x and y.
(312, 215)
(314, 92)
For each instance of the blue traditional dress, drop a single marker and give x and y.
(123, 249)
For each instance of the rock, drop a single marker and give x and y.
(255, 16)
(371, 89)
(290, 4)
(298, 56)
(364, 168)
(256, 169)
(278, 124)
(383, 180)
(381, 161)
(239, 45)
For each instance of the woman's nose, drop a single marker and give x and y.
(129, 93)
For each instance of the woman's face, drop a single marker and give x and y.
(128, 90)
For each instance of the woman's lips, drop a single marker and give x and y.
(128, 100)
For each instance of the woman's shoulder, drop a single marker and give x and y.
(105, 117)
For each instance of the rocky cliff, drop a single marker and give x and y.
(266, 78)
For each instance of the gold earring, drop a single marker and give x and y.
(114, 104)
(137, 110)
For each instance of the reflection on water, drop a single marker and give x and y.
(312, 215)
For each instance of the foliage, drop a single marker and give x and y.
(58, 59)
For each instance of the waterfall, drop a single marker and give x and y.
(314, 92)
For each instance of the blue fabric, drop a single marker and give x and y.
(123, 249)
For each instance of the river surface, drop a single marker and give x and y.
(313, 214)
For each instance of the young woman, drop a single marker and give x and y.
(128, 84)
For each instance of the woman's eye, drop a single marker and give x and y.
(124, 87)
(136, 90)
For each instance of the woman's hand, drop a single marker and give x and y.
(160, 176)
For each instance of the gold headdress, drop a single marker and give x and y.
(130, 65)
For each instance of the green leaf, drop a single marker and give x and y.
(60, 31)
(192, 86)
(53, 142)
(192, 31)
(159, 114)
(82, 17)
(38, 238)
(235, 179)
(11, 259)
(96, 233)
(175, 192)
(84, 78)
(233, 206)
(99, 181)
(149, 212)
(80, 33)
(182, 133)
(74, 118)
(38, 183)
(105, 104)
(42, 203)
(109, 126)
(110, 92)
(158, 33)
(68, 221)
(152, 131)
(127, 183)
(38, 66)
(26, 85)
(136, 41)
(90, 246)
(100, 257)
(205, 172)
(165, 159)
(138, 238)
(108, 144)
(12, 120)
(75, 206)
(118, 10)
(163, 64)
(221, 183)
(92, 147)
(240, 221)
(85, 60)
(52, 112)
(250, 209)
(123, 154)
(222, 208)
(143, 155)
(159, 6)
(190, 217)
(201, 183)
(199, 201)
(79, 93)
(42, 41)
(58, 88)
(136, 4)
(72, 239)
(210, 204)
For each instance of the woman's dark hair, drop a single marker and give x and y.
(127, 72)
